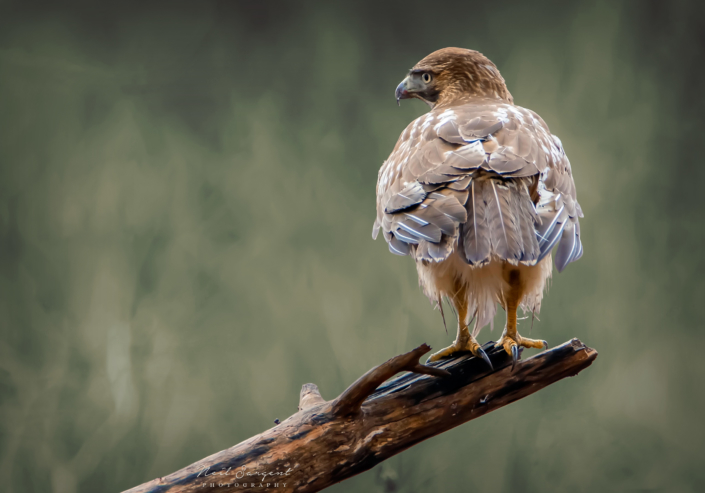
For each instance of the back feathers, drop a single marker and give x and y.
(463, 178)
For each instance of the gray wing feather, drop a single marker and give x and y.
(506, 163)
(450, 206)
(566, 247)
(478, 128)
(570, 247)
(410, 196)
(406, 237)
(579, 252)
(440, 251)
(431, 215)
(460, 184)
(398, 247)
(432, 177)
(528, 220)
(427, 232)
(449, 132)
(548, 223)
(529, 169)
(476, 238)
(470, 156)
(421, 251)
(548, 240)
(502, 221)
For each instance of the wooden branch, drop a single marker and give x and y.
(349, 402)
(329, 441)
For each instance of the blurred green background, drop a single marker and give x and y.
(187, 193)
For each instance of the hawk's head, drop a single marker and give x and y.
(453, 75)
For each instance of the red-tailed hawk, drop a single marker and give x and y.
(478, 192)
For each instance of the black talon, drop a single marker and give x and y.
(515, 356)
(484, 356)
(545, 345)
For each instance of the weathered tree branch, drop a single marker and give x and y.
(329, 441)
(349, 402)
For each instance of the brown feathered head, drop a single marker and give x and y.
(453, 75)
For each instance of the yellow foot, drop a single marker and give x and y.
(470, 345)
(511, 345)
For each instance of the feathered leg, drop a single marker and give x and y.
(464, 341)
(511, 340)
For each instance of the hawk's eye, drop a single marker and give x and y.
(426, 77)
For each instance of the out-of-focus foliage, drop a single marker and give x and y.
(186, 202)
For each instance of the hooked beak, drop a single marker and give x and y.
(402, 91)
(409, 88)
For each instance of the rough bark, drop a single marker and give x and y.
(329, 441)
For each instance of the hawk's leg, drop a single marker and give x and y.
(511, 340)
(464, 341)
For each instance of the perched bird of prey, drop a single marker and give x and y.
(478, 191)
